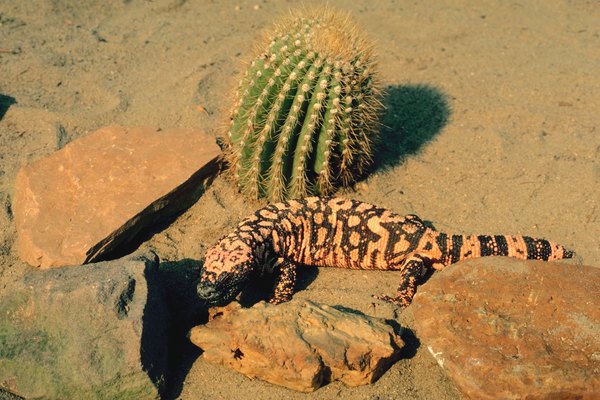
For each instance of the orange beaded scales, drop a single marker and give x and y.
(335, 232)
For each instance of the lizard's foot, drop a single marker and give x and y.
(401, 300)
(284, 282)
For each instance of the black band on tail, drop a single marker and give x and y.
(537, 249)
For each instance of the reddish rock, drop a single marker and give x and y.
(89, 200)
(300, 345)
(507, 329)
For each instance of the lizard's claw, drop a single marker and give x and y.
(277, 300)
(399, 301)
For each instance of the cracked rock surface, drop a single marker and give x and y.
(300, 344)
(509, 329)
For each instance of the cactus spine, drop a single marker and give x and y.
(306, 109)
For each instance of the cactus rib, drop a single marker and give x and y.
(306, 109)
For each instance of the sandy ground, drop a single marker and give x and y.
(491, 127)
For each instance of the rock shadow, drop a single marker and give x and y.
(155, 218)
(414, 115)
(155, 322)
(179, 280)
(5, 103)
(411, 342)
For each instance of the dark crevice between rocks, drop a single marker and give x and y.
(154, 351)
(179, 280)
(414, 115)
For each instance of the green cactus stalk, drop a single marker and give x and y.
(306, 110)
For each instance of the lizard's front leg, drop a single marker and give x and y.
(412, 271)
(285, 281)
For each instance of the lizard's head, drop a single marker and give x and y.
(227, 268)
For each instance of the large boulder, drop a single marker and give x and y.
(86, 332)
(300, 344)
(508, 329)
(92, 200)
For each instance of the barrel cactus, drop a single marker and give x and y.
(306, 109)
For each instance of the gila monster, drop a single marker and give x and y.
(336, 232)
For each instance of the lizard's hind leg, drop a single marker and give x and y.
(285, 281)
(412, 271)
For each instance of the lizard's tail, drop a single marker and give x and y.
(460, 247)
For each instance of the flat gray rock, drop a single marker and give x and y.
(89, 201)
(91, 331)
(300, 344)
(508, 329)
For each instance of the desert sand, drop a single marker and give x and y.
(491, 127)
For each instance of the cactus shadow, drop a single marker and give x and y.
(414, 115)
